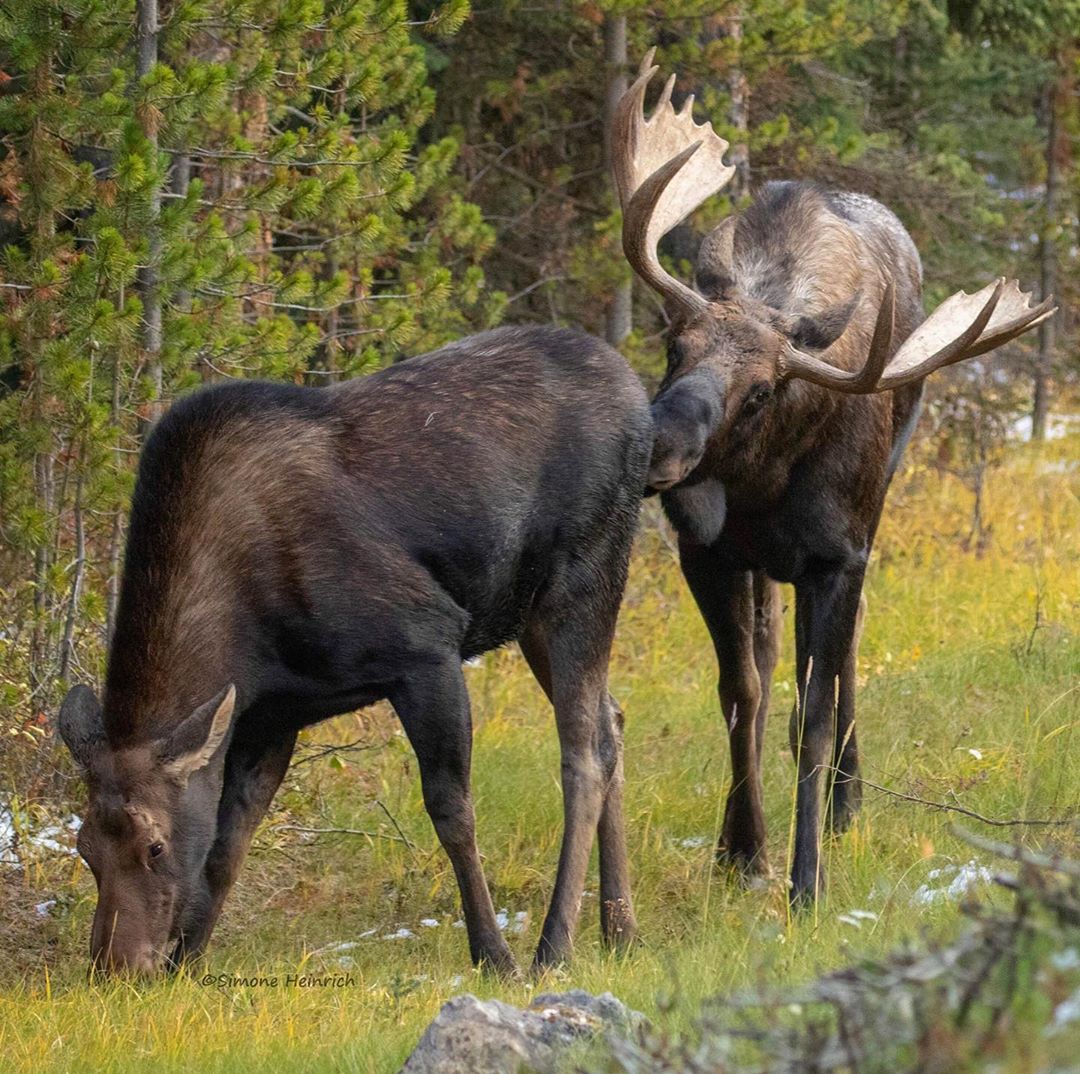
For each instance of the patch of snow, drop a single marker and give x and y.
(429, 923)
(1058, 426)
(42, 908)
(692, 841)
(855, 918)
(334, 948)
(1066, 1013)
(1069, 959)
(47, 838)
(7, 838)
(1058, 466)
(961, 879)
(520, 920)
(401, 934)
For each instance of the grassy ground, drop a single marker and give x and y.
(970, 697)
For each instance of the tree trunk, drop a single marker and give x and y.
(149, 284)
(1048, 282)
(738, 155)
(39, 329)
(1048, 257)
(618, 320)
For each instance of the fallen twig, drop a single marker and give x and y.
(1011, 822)
(400, 838)
(1017, 853)
(393, 820)
(325, 750)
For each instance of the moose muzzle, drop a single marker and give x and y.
(684, 415)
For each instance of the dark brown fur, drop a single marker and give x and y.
(770, 479)
(322, 549)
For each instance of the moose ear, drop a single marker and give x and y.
(193, 744)
(825, 328)
(80, 724)
(713, 271)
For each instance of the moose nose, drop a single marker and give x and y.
(136, 961)
(665, 473)
(112, 953)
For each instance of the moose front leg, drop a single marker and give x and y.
(254, 769)
(727, 603)
(843, 790)
(433, 706)
(826, 610)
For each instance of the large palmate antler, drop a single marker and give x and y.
(962, 327)
(665, 167)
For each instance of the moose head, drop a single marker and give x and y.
(149, 826)
(729, 352)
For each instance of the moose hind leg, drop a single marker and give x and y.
(433, 706)
(618, 926)
(578, 649)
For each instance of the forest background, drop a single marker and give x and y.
(305, 190)
(310, 190)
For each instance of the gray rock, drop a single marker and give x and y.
(478, 1036)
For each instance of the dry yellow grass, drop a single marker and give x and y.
(970, 697)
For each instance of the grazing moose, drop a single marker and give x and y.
(295, 553)
(794, 378)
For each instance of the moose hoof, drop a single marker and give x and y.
(804, 892)
(751, 862)
(618, 925)
(500, 963)
(840, 819)
(842, 811)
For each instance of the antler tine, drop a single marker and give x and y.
(665, 166)
(911, 363)
(1004, 313)
(1016, 327)
(805, 366)
(963, 326)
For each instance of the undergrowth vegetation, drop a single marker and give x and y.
(970, 700)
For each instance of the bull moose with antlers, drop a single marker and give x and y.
(794, 378)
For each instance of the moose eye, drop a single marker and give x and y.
(758, 396)
(156, 850)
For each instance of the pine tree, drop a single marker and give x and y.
(244, 192)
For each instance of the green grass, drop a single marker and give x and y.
(970, 697)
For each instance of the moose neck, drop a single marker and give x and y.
(168, 656)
